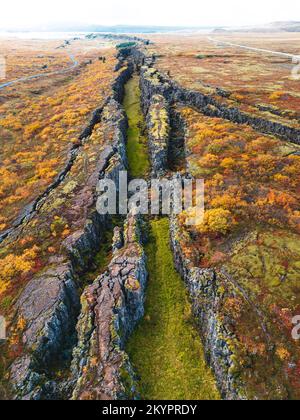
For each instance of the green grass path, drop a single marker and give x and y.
(137, 145)
(166, 349)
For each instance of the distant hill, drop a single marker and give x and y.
(287, 26)
(290, 26)
(118, 29)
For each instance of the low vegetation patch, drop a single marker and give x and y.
(250, 237)
(137, 147)
(166, 349)
(40, 121)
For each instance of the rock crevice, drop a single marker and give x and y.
(206, 296)
(155, 83)
(111, 308)
(49, 305)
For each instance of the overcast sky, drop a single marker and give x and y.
(147, 12)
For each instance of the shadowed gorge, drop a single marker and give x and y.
(165, 349)
(137, 153)
(101, 303)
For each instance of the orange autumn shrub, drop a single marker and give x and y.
(248, 178)
(13, 265)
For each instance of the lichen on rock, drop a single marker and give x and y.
(158, 123)
(111, 308)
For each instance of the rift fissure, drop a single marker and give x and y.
(145, 331)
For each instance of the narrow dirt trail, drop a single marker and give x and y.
(245, 47)
(165, 349)
(74, 64)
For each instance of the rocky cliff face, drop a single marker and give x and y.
(154, 83)
(206, 296)
(211, 108)
(158, 123)
(111, 308)
(204, 285)
(123, 77)
(177, 152)
(49, 304)
(50, 313)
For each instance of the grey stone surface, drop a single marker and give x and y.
(203, 286)
(50, 303)
(111, 308)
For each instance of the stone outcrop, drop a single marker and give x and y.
(83, 244)
(153, 83)
(135, 56)
(158, 123)
(49, 313)
(223, 93)
(111, 308)
(206, 296)
(49, 304)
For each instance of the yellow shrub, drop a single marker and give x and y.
(32, 129)
(216, 220)
(282, 353)
(13, 265)
(228, 163)
(276, 96)
(228, 202)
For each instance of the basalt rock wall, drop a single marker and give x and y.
(158, 123)
(111, 308)
(153, 83)
(49, 305)
(206, 295)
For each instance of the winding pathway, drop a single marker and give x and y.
(245, 47)
(75, 64)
